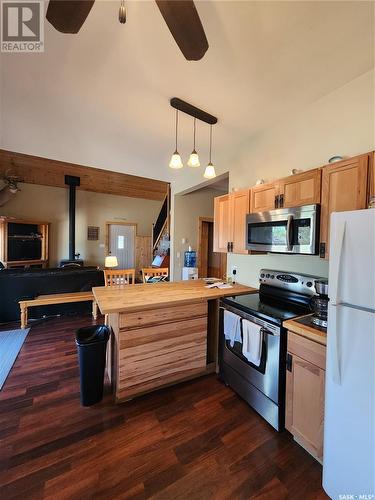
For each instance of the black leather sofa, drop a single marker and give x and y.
(18, 284)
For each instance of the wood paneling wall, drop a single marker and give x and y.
(37, 170)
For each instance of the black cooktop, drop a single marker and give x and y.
(264, 307)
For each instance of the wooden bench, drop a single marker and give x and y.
(57, 298)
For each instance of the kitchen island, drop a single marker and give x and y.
(162, 333)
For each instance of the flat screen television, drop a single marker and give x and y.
(24, 242)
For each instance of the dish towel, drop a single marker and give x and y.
(232, 327)
(252, 342)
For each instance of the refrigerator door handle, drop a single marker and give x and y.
(337, 244)
(335, 345)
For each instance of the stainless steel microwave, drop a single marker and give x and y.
(285, 230)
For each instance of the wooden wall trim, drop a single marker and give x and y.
(47, 172)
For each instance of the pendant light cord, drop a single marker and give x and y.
(194, 133)
(176, 126)
(210, 141)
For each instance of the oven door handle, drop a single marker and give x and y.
(265, 332)
(289, 233)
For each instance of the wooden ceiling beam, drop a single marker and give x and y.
(46, 172)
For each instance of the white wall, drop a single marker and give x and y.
(341, 123)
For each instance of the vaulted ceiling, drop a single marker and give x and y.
(101, 97)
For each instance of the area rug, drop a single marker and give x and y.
(11, 342)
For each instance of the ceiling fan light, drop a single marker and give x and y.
(194, 160)
(176, 161)
(209, 173)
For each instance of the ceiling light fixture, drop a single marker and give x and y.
(122, 12)
(210, 173)
(176, 161)
(194, 158)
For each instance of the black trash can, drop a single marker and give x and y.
(91, 344)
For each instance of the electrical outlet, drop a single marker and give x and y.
(233, 270)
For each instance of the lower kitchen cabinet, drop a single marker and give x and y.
(305, 383)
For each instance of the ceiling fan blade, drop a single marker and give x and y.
(68, 16)
(185, 26)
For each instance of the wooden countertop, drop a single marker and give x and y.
(307, 331)
(130, 298)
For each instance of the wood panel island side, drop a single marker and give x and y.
(162, 333)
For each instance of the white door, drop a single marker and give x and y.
(352, 259)
(349, 424)
(122, 244)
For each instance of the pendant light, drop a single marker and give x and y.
(176, 161)
(122, 12)
(194, 158)
(210, 173)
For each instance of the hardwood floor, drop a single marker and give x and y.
(197, 440)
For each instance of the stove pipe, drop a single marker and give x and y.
(72, 182)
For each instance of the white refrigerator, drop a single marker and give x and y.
(349, 421)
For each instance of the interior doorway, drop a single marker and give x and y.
(210, 264)
(121, 243)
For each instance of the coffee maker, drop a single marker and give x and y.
(319, 303)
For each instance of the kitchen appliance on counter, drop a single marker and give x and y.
(319, 304)
(282, 295)
(349, 431)
(285, 230)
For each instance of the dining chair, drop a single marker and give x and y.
(152, 272)
(119, 277)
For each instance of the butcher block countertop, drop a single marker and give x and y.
(308, 331)
(131, 298)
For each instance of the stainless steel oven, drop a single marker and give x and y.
(285, 230)
(261, 386)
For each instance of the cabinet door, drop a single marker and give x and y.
(304, 416)
(344, 187)
(301, 189)
(240, 208)
(371, 176)
(222, 223)
(263, 197)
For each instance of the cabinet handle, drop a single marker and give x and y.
(289, 362)
(228, 246)
(276, 201)
(281, 198)
(231, 246)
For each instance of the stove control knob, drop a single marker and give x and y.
(262, 275)
(272, 276)
(309, 284)
(267, 275)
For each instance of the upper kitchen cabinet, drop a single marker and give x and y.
(230, 213)
(300, 189)
(264, 197)
(371, 177)
(222, 223)
(240, 202)
(293, 191)
(344, 187)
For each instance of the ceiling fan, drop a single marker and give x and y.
(181, 16)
